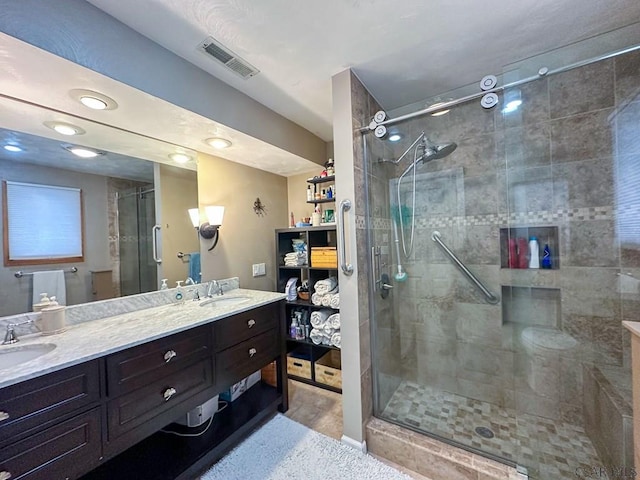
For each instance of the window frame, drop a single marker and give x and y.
(44, 260)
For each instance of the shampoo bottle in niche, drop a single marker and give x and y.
(523, 248)
(534, 253)
(546, 257)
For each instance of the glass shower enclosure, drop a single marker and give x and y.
(136, 218)
(532, 366)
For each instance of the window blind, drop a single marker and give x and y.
(43, 221)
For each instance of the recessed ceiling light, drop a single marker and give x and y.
(93, 100)
(394, 137)
(65, 128)
(180, 157)
(83, 152)
(219, 143)
(12, 148)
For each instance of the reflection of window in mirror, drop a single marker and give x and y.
(42, 224)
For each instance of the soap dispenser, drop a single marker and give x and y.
(44, 302)
(164, 285)
(179, 293)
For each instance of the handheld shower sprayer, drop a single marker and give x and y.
(401, 276)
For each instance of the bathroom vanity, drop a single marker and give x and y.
(93, 406)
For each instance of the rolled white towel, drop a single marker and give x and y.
(328, 329)
(317, 336)
(326, 300)
(336, 340)
(316, 299)
(326, 285)
(319, 318)
(326, 339)
(335, 289)
(335, 301)
(334, 321)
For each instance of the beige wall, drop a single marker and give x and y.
(177, 189)
(245, 238)
(297, 193)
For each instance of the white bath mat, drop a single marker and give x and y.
(285, 450)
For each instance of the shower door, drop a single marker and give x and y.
(541, 379)
(136, 218)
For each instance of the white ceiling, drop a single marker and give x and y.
(403, 50)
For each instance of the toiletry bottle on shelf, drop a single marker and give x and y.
(546, 257)
(309, 194)
(294, 327)
(513, 254)
(523, 261)
(292, 222)
(534, 253)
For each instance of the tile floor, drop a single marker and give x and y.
(321, 410)
(549, 449)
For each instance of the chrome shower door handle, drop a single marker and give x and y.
(154, 243)
(347, 268)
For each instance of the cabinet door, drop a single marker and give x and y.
(38, 403)
(232, 330)
(142, 405)
(141, 365)
(235, 363)
(65, 451)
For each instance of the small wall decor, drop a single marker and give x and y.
(259, 208)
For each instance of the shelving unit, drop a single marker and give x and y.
(306, 350)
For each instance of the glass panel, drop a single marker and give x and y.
(541, 379)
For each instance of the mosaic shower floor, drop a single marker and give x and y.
(550, 449)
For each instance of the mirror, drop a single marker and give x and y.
(123, 198)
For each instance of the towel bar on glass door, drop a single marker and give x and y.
(20, 273)
(491, 298)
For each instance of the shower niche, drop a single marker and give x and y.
(514, 246)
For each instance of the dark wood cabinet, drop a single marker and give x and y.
(33, 405)
(65, 424)
(141, 365)
(64, 451)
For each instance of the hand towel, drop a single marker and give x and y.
(326, 300)
(52, 283)
(325, 286)
(194, 267)
(316, 299)
(336, 340)
(316, 336)
(319, 318)
(335, 301)
(334, 321)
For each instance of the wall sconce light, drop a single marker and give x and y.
(209, 229)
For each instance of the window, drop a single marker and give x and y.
(42, 224)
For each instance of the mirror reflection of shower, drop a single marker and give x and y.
(424, 150)
(135, 219)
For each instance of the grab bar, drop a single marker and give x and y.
(347, 268)
(491, 298)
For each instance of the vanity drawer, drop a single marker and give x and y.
(141, 365)
(65, 451)
(235, 363)
(140, 406)
(235, 329)
(36, 404)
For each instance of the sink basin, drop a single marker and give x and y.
(223, 301)
(13, 356)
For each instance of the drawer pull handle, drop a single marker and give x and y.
(297, 364)
(169, 355)
(251, 323)
(4, 475)
(252, 352)
(3, 416)
(168, 393)
(331, 374)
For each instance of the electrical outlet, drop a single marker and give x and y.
(259, 269)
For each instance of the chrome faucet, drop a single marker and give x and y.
(189, 281)
(214, 284)
(10, 336)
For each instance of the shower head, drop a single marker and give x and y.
(435, 152)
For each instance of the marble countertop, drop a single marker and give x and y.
(633, 327)
(97, 338)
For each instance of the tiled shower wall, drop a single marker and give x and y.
(570, 158)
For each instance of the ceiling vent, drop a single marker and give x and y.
(222, 54)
